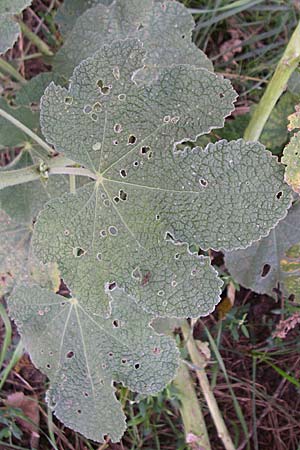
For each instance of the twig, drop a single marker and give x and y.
(199, 361)
(286, 66)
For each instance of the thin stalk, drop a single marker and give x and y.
(27, 131)
(35, 39)
(14, 359)
(8, 333)
(286, 66)
(55, 166)
(190, 410)
(8, 68)
(213, 407)
(72, 179)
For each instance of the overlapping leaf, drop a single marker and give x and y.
(290, 266)
(9, 29)
(259, 267)
(82, 353)
(291, 153)
(164, 28)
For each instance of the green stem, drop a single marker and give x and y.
(8, 333)
(286, 66)
(14, 359)
(27, 131)
(210, 399)
(8, 68)
(35, 39)
(55, 166)
(192, 417)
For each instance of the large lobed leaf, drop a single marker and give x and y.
(164, 28)
(9, 29)
(132, 226)
(260, 267)
(82, 353)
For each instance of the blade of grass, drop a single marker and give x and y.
(14, 359)
(8, 333)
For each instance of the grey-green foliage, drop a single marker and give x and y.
(82, 351)
(19, 206)
(70, 10)
(164, 28)
(30, 93)
(9, 28)
(258, 266)
(121, 241)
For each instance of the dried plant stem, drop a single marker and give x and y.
(190, 410)
(200, 363)
(286, 66)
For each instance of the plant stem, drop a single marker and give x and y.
(27, 131)
(72, 179)
(55, 166)
(8, 333)
(35, 39)
(286, 66)
(200, 363)
(17, 354)
(192, 417)
(8, 68)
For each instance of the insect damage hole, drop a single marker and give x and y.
(103, 89)
(70, 355)
(123, 173)
(78, 252)
(68, 100)
(118, 128)
(137, 366)
(265, 270)
(279, 194)
(115, 323)
(145, 149)
(203, 182)
(123, 195)
(113, 231)
(111, 286)
(131, 139)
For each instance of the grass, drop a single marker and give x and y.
(256, 377)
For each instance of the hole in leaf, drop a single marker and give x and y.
(117, 128)
(136, 274)
(103, 89)
(183, 36)
(103, 233)
(122, 195)
(113, 231)
(265, 270)
(115, 142)
(150, 154)
(140, 27)
(167, 119)
(145, 150)
(99, 256)
(203, 182)
(78, 252)
(177, 256)
(123, 173)
(70, 355)
(48, 366)
(116, 199)
(66, 232)
(174, 283)
(122, 97)
(116, 323)
(116, 73)
(112, 286)
(86, 394)
(135, 163)
(132, 139)
(123, 361)
(156, 350)
(97, 107)
(221, 95)
(160, 293)
(87, 109)
(157, 217)
(110, 354)
(79, 411)
(68, 100)
(106, 202)
(137, 366)
(279, 194)
(94, 117)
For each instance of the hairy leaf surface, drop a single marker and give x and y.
(122, 228)
(259, 266)
(164, 28)
(82, 353)
(9, 29)
(291, 153)
(30, 93)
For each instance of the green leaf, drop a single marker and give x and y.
(9, 29)
(30, 93)
(10, 136)
(82, 353)
(290, 266)
(291, 153)
(152, 23)
(70, 10)
(259, 266)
